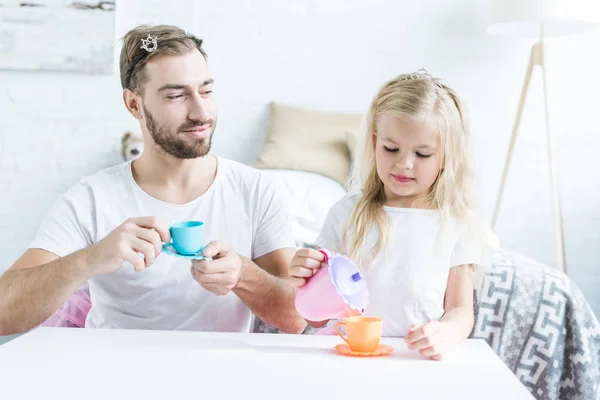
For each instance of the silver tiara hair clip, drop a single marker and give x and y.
(423, 74)
(150, 43)
(420, 74)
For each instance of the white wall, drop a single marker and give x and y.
(330, 55)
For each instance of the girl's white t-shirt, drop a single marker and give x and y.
(241, 207)
(406, 282)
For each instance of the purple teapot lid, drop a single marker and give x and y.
(348, 281)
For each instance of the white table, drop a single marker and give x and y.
(85, 364)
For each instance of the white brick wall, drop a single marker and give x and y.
(331, 55)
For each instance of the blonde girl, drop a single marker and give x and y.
(410, 221)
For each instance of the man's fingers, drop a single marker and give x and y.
(200, 266)
(135, 259)
(146, 248)
(151, 236)
(211, 282)
(219, 290)
(211, 267)
(215, 279)
(153, 223)
(215, 249)
(221, 278)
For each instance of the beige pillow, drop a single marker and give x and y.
(308, 140)
(352, 140)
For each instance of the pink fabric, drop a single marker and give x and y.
(73, 312)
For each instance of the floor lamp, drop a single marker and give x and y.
(541, 19)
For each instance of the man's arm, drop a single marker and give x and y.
(263, 288)
(36, 286)
(261, 284)
(40, 282)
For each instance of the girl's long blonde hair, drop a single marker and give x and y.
(418, 97)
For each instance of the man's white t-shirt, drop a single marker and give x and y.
(407, 282)
(241, 207)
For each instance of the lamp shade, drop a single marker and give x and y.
(525, 18)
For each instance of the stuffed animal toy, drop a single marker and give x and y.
(131, 146)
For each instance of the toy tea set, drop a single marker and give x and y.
(338, 291)
(187, 240)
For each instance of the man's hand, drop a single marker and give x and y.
(137, 240)
(434, 339)
(221, 275)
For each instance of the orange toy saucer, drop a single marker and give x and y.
(382, 350)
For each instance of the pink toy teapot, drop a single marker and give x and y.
(335, 291)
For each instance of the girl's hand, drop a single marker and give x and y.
(434, 339)
(305, 264)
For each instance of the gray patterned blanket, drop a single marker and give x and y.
(539, 324)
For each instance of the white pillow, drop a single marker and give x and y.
(310, 197)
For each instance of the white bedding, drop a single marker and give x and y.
(310, 197)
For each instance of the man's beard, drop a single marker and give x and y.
(175, 145)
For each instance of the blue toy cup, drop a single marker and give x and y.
(188, 237)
